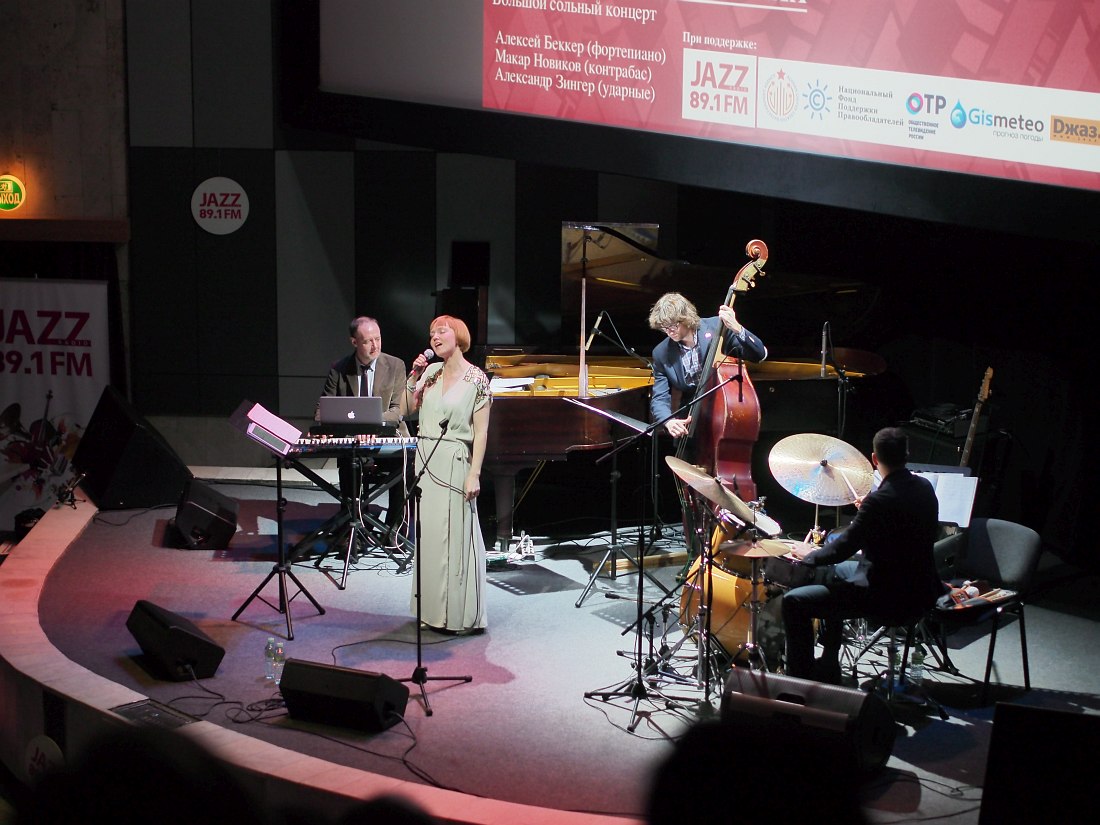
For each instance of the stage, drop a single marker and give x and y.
(523, 739)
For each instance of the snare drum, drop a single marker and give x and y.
(789, 572)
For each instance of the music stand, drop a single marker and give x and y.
(640, 428)
(281, 567)
(635, 687)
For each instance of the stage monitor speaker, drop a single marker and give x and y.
(205, 518)
(174, 648)
(341, 696)
(857, 727)
(470, 263)
(1033, 755)
(126, 463)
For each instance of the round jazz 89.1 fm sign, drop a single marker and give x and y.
(219, 205)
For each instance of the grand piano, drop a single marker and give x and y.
(614, 266)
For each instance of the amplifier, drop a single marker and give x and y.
(945, 419)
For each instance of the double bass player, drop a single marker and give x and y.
(679, 361)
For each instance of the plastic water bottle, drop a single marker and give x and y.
(916, 666)
(278, 661)
(269, 658)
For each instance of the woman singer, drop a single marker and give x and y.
(453, 400)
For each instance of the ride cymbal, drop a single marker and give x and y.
(820, 469)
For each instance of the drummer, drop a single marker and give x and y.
(895, 527)
(678, 361)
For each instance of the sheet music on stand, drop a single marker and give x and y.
(955, 493)
(265, 428)
(627, 421)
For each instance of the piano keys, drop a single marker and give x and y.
(336, 446)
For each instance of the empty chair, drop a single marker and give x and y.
(1000, 556)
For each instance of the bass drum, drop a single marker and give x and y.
(731, 613)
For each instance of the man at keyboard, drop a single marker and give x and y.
(366, 370)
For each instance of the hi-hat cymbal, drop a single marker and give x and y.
(755, 549)
(820, 469)
(710, 487)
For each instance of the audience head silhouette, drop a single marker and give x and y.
(140, 776)
(718, 769)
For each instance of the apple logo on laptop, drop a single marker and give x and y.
(351, 414)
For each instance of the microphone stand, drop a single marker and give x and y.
(843, 387)
(655, 533)
(420, 673)
(614, 548)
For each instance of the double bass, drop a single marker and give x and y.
(725, 424)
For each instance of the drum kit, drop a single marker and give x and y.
(731, 597)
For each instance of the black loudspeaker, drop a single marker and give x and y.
(1033, 752)
(856, 727)
(470, 263)
(174, 648)
(126, 463)
(341, 696)
(205, 518)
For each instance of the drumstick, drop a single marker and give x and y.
(851, 489)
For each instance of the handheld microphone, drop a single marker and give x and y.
(429, 354)
(824, 336)
(592, 334)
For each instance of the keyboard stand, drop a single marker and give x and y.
(354, 521)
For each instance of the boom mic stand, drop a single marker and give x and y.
(420, 673)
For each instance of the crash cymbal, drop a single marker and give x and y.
(711, 488)
(820, 469)
(755, 549)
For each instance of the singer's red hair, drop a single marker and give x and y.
(462, 332)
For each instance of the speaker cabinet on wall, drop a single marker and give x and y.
(341, 696)
(174, 648)
(205, 518)
(857, 727)
(126, 463)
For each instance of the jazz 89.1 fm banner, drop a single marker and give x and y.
(54, 358)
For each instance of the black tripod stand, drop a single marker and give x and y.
(281, 568)
(634, 688)
(420, 675)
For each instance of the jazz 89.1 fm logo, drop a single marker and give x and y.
(12, 193)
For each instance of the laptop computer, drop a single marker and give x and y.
(349, 414)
